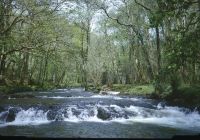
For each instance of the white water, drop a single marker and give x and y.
(82, 97)
(168, 116)
(110, 92)
(84, 116)
(30, 117)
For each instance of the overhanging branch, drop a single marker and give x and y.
(143, 6)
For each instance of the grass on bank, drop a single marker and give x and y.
(133, 89)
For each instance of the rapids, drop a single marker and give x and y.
(77, 113)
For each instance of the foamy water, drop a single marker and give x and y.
(84, 97)
(173, 117)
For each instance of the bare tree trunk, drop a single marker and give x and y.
(2, 69)
(45, 76)
(158, 80)
(86, 56)
(158, 49)
(24, 72)
(83, 67)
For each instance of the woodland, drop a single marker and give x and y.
(92, 43)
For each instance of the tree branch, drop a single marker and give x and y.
(116, 19)
(15, 21)
(23, 48)
(143, 6)
(123, 24)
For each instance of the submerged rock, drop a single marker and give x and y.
(161, 105)
(11, 116)
(51, 115)
(197, 109)
(75, 112)
(59, 117)
(56, 115)
(3, 116)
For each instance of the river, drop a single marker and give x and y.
(75, 113)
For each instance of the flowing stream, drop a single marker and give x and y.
(76, 113)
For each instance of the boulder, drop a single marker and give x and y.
(103, 114)
(103, 92)
(11, 115)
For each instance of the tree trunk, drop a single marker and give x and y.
(158, 50)
(84, 58)
(146, 56)
(25, 73)
(2, 70)
(158, 88)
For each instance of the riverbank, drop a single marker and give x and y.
(10, 89)
(21, 91)
(186, 96)
(21, 88)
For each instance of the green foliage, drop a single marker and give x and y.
(188, 96)
(156, 19)
(47, 48)
(190, 92)
(4, 89)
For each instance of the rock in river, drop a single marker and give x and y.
(103, 114)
